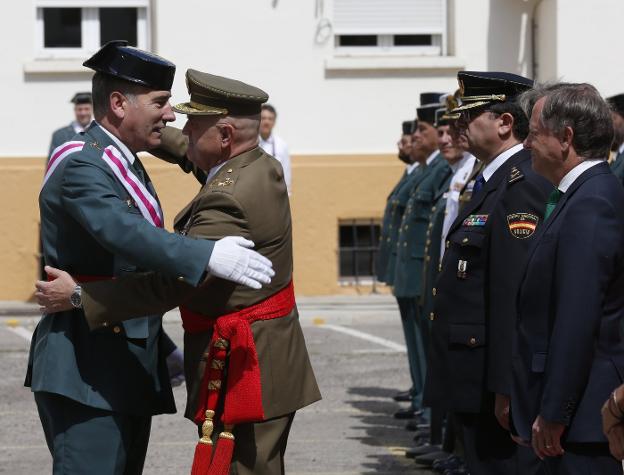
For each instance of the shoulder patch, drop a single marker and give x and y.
(522, 225)
(515, 175)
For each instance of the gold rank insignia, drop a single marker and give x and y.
(96, 145)
(515, 175)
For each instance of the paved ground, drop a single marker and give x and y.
(357, 353)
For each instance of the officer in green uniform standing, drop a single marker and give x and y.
(83, 112)
(617, 113)
(100, 219)
(411, 243)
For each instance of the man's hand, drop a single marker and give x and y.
(53, 296)
(613, 425)
(233, 259)
(501, 410)
(546, 438)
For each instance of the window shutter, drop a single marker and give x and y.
(389, 17)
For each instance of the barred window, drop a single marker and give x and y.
(358, 245)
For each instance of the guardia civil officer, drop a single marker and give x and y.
(83, 113)
(568, 352)
(411, 242)
(100, 218)
(473, 315)
(386, 244)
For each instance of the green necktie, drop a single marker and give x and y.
(553, 199)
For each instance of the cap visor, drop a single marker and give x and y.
(470, 105)
(196, 109)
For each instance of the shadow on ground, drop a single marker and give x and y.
(376, 408)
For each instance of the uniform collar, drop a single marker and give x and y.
(495, 164)
(576, 172)
(433, 155)
(411, 167)
(120, 145)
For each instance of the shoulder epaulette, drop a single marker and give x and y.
(515, 175)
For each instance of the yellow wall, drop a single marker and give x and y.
(325, 189)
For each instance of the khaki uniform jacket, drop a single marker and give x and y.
(248, 198)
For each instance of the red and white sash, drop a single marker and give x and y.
(58, 155)
(147, 204)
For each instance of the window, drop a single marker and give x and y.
(358, 244)
(390, 27)
(77, 28)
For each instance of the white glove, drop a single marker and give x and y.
(233, 259)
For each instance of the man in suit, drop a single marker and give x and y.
(385, 243)
(101, 219)
(568, 353)
(473, 313)
(83, 112)
(617, 147)
(245, 194)
(408, 251)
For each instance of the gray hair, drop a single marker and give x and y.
(578, 106)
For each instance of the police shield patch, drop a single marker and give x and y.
(522, 225)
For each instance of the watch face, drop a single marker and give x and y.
(76, 300)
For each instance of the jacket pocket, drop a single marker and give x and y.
(472, 336)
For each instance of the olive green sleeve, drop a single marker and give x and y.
(173, 147)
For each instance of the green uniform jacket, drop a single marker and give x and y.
(399, 203)
(432, 246)
(413, 229)
(60, 136)
(90, 227)
(248, 198)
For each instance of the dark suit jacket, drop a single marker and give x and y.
(248, 198)
(89, 226)
(474, 308)
(569, 354)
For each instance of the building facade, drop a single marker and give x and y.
(343, 75)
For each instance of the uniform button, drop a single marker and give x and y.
(432, 316)
(428, 242)
(434, 291)
(440, 267)
(388, 240)
(116, 329)
(104, 324)
(404, 244)
(472, 341)
(427, 258)
(430, 226)
(406, 227)
(448, 243)
(465, 240)
(433, 209)
(181, 279)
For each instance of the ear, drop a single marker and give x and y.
(506, 123)
(227, 133)
(117, 103)
(567, 135)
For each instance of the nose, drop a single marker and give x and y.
(168, 115)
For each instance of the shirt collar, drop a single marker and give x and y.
(576, 172)
(77, 127)
(411, 167)
(433, 155)
(621, 149)
(460, 163)
(125, 150)
(495, 164)
(214, 170)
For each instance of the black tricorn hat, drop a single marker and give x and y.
(408, 127)
(617, 103)
(429, 103)
(479, 88)
(118, 59)
(82, 98)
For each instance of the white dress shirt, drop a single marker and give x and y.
(498, 162)
(576, 172)
(461, 174)
(277, 148)
(411, 167)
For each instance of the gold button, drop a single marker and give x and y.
(465, 240)
(433, 209)
(116, 329)
(404, 244)
(229, 170)
(406, 226)
(432, 316)
(434, 291)
(427, 258)
(180, 279)
(430, 226)
(440, 267)
(473, 341)
(388, 240)
(428, 242)
(104, 324)
(448, 243)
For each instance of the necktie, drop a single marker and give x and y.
(479, 182)
(553, 199)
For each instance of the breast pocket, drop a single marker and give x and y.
(422, 205)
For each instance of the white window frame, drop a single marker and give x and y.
(385, 46)
(90, 26)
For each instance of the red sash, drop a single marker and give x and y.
(243, 395)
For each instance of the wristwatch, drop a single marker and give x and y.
(76, 297)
